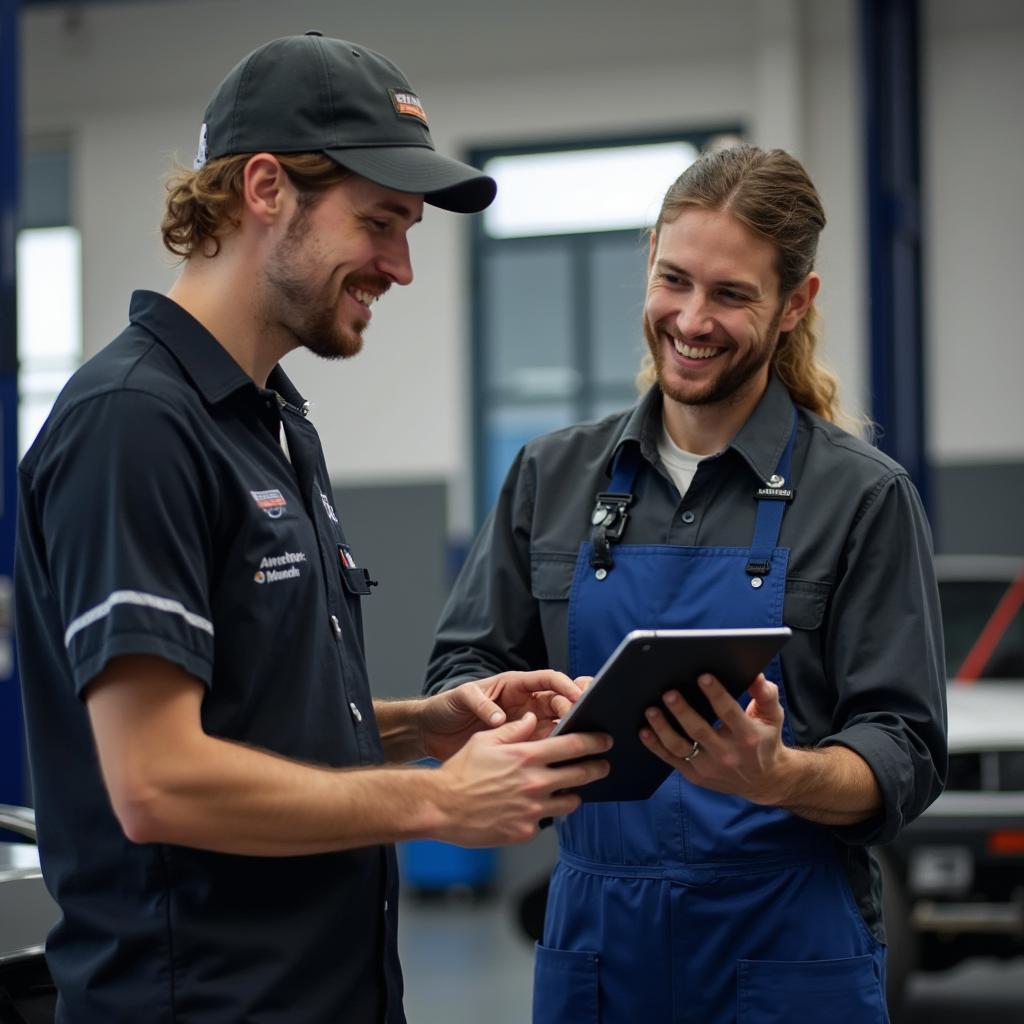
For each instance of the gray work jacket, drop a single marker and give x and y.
(865, 666)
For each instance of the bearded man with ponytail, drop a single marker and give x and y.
(744, 888)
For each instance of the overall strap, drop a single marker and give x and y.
(610, 516)
(771, 505)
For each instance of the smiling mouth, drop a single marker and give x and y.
(364, 296)
(695, 351)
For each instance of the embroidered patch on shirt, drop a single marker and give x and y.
(328, 507)
(272, 502)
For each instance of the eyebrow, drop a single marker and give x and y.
(744, 286)
(398, 208)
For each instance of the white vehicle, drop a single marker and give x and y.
(26, 915)
(954, 879)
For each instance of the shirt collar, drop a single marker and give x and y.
(760, 441)
(204, 359)
(641, 427)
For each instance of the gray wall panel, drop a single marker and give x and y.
(399, 533)
(978, 508)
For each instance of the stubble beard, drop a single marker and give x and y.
(727, 386)
(306, 310)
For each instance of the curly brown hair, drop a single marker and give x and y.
(771, 194)
(202, 205)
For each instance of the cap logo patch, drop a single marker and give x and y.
(407, 104)
(200, 158)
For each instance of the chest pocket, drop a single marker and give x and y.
(356, 581)
(805, 603)
(551, 575)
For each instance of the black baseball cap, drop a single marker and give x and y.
(309, 94)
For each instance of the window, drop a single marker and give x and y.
(559, 278)
(49, 322)
(49, 286)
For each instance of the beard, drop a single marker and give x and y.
(730, 383)
(306, 309)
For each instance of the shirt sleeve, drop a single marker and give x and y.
(123, 497)
(884, 649)
(491, 621)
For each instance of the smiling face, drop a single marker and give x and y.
(340, 253)
(713, 312)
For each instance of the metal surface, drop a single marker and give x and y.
(21, 820)
(981, 918)
(27, 912)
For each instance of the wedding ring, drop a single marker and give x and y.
(693, 753)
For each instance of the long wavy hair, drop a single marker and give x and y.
(771, 194)
(202, 206)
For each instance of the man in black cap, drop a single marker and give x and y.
(188, 604)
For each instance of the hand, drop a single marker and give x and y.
(744, 756)
(448, 719)
(500, 785)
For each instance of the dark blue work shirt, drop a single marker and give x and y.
(159, 515)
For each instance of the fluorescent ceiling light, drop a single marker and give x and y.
(576, 190)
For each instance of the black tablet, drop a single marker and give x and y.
(645, 665)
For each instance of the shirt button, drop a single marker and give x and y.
(385, 906)
(687, 517)
(356, 713)
(336, 625)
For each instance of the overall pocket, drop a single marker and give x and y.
(565, 987)
(844, 991)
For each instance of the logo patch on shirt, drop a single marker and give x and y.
(272, 502)
(274, 568)
(328, 507)
(775, 494)
(407, 104)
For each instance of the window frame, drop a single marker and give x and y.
(579, 243)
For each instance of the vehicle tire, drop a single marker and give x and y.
(532, 904)
(902, 953)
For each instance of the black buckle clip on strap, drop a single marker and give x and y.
(609, 520)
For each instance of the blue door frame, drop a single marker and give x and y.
(890, 44)
(13, 783)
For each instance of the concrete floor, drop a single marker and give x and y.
(466, 961)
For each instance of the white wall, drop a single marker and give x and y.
(129, 83)
(974, 181)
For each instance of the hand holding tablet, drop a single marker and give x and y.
(644, 666)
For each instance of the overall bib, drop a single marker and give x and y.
(695, 907)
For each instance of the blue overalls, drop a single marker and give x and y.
(695, 907)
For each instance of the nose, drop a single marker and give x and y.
(395, 261)
(693, 319)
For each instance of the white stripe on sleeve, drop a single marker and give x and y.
(136, 597)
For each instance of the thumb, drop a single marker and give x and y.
(765, 703)
(481, 705)
(516, 731)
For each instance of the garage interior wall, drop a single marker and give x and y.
(127, 84)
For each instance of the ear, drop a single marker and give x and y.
(651, 251)
(799, 302)
(267, 191)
